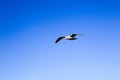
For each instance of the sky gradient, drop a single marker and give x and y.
(29, 28)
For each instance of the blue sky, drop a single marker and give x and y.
(29, 28)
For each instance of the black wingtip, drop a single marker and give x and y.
(56, 42)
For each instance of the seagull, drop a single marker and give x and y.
(69, 37)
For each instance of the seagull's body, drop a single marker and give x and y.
(69, 37)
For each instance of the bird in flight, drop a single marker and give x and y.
(69, 37)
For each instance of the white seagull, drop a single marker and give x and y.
(69, 37)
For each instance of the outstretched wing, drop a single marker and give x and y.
(59, 39)
(73, 35)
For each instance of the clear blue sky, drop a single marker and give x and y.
(28, 29)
